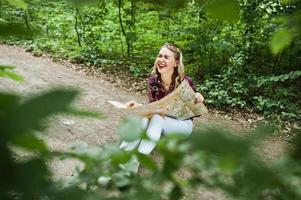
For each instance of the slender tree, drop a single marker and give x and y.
(78, 34)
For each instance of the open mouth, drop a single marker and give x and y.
(161, 66)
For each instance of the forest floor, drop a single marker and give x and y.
(97, 88)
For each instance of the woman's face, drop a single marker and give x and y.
(166, 62)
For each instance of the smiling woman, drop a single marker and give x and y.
(168, 72)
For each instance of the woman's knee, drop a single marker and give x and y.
(173, 126)
(189, 125)
(144, 122)
(154, 129)
(156, 118)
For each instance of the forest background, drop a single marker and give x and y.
(244, 54)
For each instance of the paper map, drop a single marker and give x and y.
(178, 104)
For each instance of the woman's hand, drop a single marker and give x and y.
(132, 104)
(198, 98)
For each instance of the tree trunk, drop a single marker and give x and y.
(168, 25)
(122, 28)
(158, 24)
(47, 26)
(76, 28)
(277, 61)
(0, 8)
(132, 26)
(25, 17)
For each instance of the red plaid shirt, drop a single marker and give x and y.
(156, 91)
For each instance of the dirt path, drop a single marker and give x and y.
(42, 73)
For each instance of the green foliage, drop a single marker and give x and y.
(214, 159)
(20, 119)
(217, 8)
(227, 49)
(7, 71)
(8, 29)
(131, 129)
(280, 78)
(17, 3)
(226, 90)
(231, 62)
(270, 93)
(280, 40)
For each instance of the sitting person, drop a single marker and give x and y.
(167, 74)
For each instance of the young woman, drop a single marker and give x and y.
(167, 74)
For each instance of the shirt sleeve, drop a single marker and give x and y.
(192, 85)
(150, 93)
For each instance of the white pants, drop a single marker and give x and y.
(156, 126)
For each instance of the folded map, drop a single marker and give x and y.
(179, 104)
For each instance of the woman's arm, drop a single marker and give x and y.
(151, 86)
(198, 96)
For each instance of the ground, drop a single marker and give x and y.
(97, 88)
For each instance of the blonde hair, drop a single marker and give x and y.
(179, 73)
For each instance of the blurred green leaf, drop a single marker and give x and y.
(73, 193)
(253, 179)
(17, 3)
(176, 192)
(31, 178)
(280, 40)
(117, 155)
(5, 67)
(224, 10)
(146, 161)
(32, 112)
(262, 131)
(7, 102)
(228, 163)
(221, 143)
(83, 152)
(31, 142)
(6, 71)
(11, 75)
(84, 113)
(296, 151)
(121, 179)
(130, 129)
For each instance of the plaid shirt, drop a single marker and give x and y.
(156, 91)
